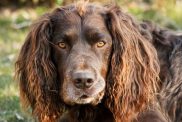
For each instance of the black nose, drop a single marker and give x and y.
(83, 79)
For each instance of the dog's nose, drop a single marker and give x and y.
(83, 79)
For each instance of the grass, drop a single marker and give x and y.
(12, 37)
(166, 16)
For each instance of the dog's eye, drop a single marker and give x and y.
(62, 45)
(100, 44)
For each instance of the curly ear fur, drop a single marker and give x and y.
(37, 74)
(133, 75)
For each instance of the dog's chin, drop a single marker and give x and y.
(87, 100)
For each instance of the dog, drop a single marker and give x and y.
(90, 63)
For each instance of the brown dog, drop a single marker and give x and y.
(89, 63)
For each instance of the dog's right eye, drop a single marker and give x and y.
(100, 44)
(62, 45)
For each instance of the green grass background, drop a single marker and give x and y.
(11, 40)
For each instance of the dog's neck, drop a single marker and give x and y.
(87, 113)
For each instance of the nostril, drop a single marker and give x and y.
(78, 81)
(90, 81)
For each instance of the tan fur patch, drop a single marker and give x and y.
(81, 6)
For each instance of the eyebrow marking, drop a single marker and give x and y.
(66, 34)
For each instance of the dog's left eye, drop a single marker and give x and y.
(100, 44)
(62, 45)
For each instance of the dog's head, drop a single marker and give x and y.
(82, 53)
(81, 48)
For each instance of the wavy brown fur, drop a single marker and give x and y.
(134, 71)
(36, 72)
(171, 93)
(168, 44)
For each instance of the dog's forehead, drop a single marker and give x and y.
(94, 21)
(73, 21)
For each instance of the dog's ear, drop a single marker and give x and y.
(36, 72)
(132, 79)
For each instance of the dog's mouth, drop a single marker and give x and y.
(84, 97)
(87, 99)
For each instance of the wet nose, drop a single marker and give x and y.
(83, 79)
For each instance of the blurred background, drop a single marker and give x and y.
(17, 15)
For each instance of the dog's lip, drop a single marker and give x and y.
(84, 96)
(87, 93)
(84, 99)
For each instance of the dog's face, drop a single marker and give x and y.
(81, 55)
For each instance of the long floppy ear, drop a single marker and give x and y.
(132, 79)
(36, 73)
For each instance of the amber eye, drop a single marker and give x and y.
(62, 45)
(100, 44)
